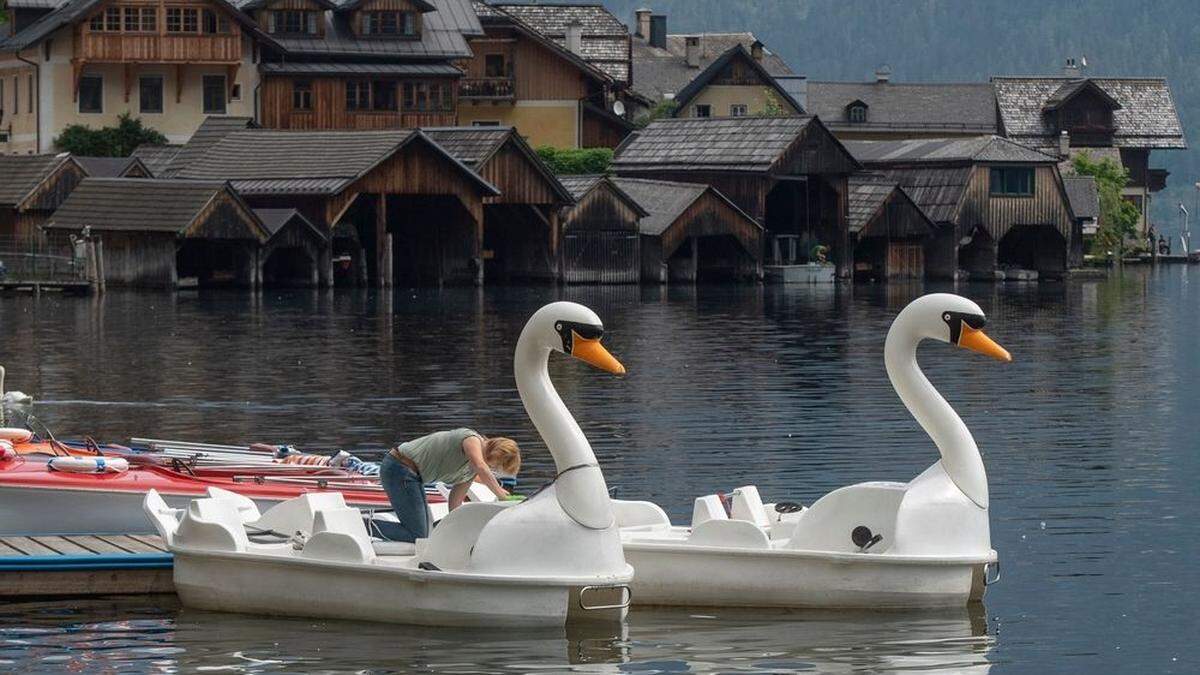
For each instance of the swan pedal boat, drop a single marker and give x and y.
(551, 559)
(879, 545)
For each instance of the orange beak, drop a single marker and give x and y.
(594, 353)
(977, 341)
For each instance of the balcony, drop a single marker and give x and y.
(100, 47)
(484, 88)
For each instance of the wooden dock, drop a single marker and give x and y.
(80, 565)
(76, 286)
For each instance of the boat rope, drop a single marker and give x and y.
(558, 475)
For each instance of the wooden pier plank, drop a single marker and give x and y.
(62, 546)
(152, 540)
(28, 546)
(129, 543)
(93, 544)
(7, 549)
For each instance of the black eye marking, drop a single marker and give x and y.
(586, 331)
(955, 321)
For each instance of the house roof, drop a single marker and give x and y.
(211, 130)
(110, 167)
(702, 80)
(1083, 196)
(474, 146)
(937, 189)
(946, 151)
(274, 220)
(496, 16)
(1147, 117)
(442, 36)
(1072, 87)
(867, 193)
(658, 73)
(714, 144)
(157, 158)
(260, 161)
(139, 205)
(893, 106)
(33, 4)
(605, 40)
(250, 5)
(664, 201)
(335, 68)
(21, 174)
(580, 185)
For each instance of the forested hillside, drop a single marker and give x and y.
(970, 40)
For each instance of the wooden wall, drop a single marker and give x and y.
(161, 46)
(600, 240)
(329, 107)
(1047, 206)
(518, 178)
(143, 259)
(538, 72)
(712, 216)
(224, 218)
(598, 132)
(601, 209)
(815, 151)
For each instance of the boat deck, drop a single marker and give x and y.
(79, 565)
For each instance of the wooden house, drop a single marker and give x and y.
(735, 84)
(885, 110)
(293, 251)
(889, 231)
(788, 173)
(552, 72)
(31, 188)
(998, 205)
(397, 206)
(601, 233)
(692, 233)
(521, 224)
(158, 231)
(1084, 198)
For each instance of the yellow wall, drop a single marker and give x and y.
(721, 96)
(554, 123)
(19, 122)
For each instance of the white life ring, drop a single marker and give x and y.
(89, 464)
(15, 435)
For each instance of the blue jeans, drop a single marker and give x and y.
(406, 492)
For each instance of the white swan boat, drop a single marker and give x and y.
(880, 545)
(551, 559)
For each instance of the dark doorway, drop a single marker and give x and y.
(1034, 247)
(290, 266)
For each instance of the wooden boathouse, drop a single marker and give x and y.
(294, 249)
(692, 232)
(601, 233)
(788, 173)
(521, 224)
(397, 206)
(1000, 207)
(159, 231)
(888, 230)
(31, 188)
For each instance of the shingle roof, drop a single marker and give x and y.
(33, 4)
(945, 150)
(273, 221)
(109, 167)
(936, 189)
(657, 72)
(663, 200)
(261, 161)
(698, 83)
(1083, 196)
(605, 40)
(722, 144)
(894, 106)
(135, 204)
(1146, 119)
(867, 192)
(20, 174)
(581, 184)
(211, 130)
(474, 145)
(441, 36)
(327, 68)
(157, 158)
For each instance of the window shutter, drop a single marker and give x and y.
(270, 22)
(312, 22)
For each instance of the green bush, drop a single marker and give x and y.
(663, 109)
(118, 141)
(564, 161)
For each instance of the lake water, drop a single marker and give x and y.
(1089, 436)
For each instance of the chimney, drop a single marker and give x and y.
(756, 51)
(1071, 68)
(575, 37)
(692, 51)
(883, 74)
(1064, 144)
(642, 23)
(658, 31)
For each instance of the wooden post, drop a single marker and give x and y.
(90, 266)
(695, 258)
(100, 272)
(325, 257)
(477, 214)
(380, 236)
(555, 245)
(389, 276)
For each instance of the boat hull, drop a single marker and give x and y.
(682, 575)
(275, 586)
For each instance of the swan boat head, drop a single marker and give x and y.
(952, 319)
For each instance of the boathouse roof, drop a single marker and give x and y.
(275, 220)
(582, 184)
(150, 205)
(114, 167)
(210, 131)
(867, 203)
(21, 175)
(1144, 115)
(477, 147)
(676, 211)
(157, 158)
(958, 108)
(1083, 196)
(946, 150)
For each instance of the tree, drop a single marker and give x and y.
(565, 161)
(664, 108)
(772, 107)
(118, 141)
(1118, 217)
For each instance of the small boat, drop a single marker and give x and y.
(551, 559)
(880, 545)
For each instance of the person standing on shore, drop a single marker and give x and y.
(456, 457)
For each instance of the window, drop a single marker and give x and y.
(1012, 181)
(389, 23)
(738, 110)
(112, 19)
(183, 20)
(149, 19)
(703, 110)
(214, 94)
(494, 66)
(215, 22)
(858, 114)
(16, 95)
(150, 94)
(29, 93)
(358, 95)
(133, 19)
(295, 23)
(235, 92)
(383, 95)
(302, 95)
(91, 94)
(485, 123)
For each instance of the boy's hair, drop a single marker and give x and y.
(503, 454)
